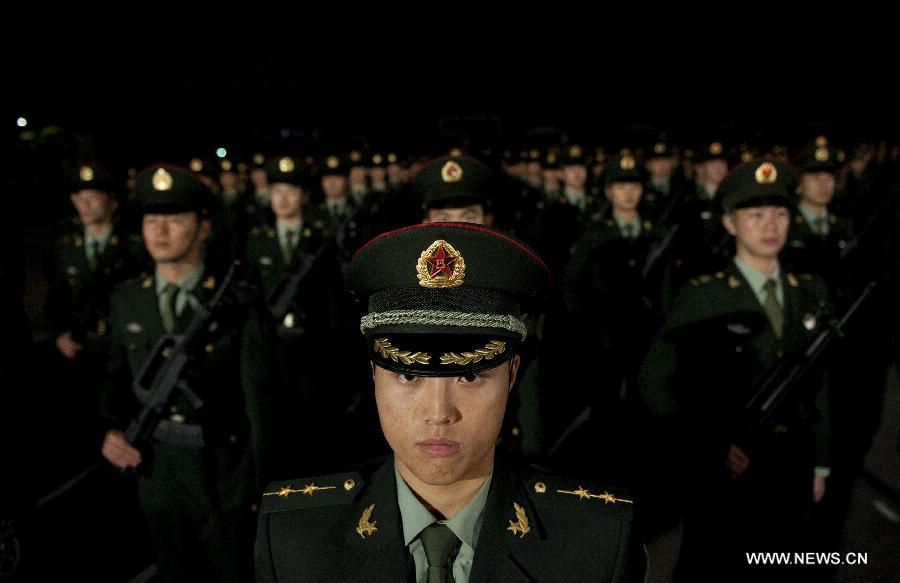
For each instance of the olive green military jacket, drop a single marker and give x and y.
(228, 372)
(78, 299)
(347, 527)
(717, 346)
(809, 252)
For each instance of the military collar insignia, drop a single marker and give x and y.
(766, 173)
(162, 180)
(821, 154)
(441, 266)
(265, 260)
(86, 173)
(147, 282)
(307, 232)
(270, 232)
(209, 283)
(520, 527)
(451, 172)
(733, 282)
(587, 495)
(792, 281)
(78, 241)
(286, 165)
(364, 526)
(114, 240)
(648, 225)
(307, 490)
(134, 328)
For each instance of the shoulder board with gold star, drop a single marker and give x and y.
(315, 492)
(565, 494)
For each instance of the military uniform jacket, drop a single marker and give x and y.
(717, 345)
(349, 529)
(228, 373)
(809, 252)
(78, 299)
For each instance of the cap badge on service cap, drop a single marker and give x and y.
(162, 180)
(286, 165)
(355, 156)
(626, 163)
(226, 165)
(441, 266)
(456, 152)
(377, 159)
(86, 173)
(451, 172)
(258, 159)
(392, 158)
(715, 148)
(332, 162)
(821, 142)
(766, 173)
(196, 164)
(575, 151)
(659, 148)
(822, 154)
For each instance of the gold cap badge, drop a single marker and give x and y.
(659, 148)
(377, 159)
(286, 165)
(766, 173)
(392, 158)
(821, 142)
(86, 173)
(626, 163)
(456, 152)
(441, 266)
(715, 148)
(226, 165)
(332, 162)
(196, 164)
(822, 154)
(258, 159)
(451, 172)
(162, 180)
(575, 151)
(355, 156)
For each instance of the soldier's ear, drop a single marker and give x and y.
(728, 223)
(514, 363)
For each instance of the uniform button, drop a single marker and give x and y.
(167, 352)
(209, 348)
(176, 419)
(540, 487)
(349, 485)
(516, 431)
(232, 438)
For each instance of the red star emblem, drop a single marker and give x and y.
(441, 263)
(767, 171)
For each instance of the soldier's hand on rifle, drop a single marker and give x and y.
(68, 347)
(118, 451)
(737, 461)
(818, 488)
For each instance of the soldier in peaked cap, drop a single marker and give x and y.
(723, 334)
(443, 329)
(201, 471)
(455, 189)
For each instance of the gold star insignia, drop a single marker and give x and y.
(584, 494)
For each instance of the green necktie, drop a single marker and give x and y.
(93, 253)
(820, 226)
(441, 546)
(772, 308)
(167, 306)
(287, 251)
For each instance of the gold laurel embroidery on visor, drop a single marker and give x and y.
(386, 350)
(490, 350)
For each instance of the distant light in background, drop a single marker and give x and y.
(21, 122)
(221, 152)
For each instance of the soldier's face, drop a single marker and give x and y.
(624, 196)
(660, 167)
(817, 188)
(286, 200)
(258, 178)
(378, 174)
(93, 206)
(228, 180)
(443, 429)
(712, 171)
(334, 185)
(171, 238)
(759, 231)
(574, 175)
(468, 214)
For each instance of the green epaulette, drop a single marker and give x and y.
(315, 492)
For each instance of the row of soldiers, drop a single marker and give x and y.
(282, 387)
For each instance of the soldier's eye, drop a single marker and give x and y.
(407, 378)
(470, 377)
